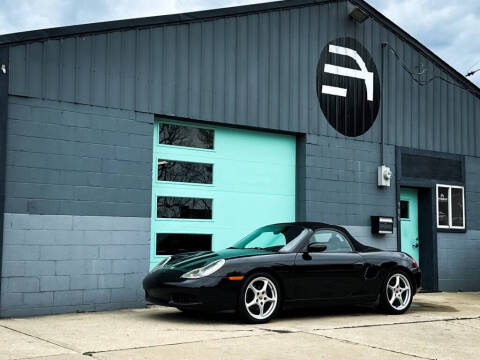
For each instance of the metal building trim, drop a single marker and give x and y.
(3, 143)
(139, 23)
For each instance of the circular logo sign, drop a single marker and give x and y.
(348, 86)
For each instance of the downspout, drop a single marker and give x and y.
(382, 149)
(3, 145)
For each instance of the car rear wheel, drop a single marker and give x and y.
(397, 293)
(259, 299)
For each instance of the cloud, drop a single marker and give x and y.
(448, 28)
(22, 15)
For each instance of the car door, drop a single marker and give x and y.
(336, 273)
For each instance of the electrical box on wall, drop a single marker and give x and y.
(382, 224)
(384, 176)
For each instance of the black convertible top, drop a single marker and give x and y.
(319, 225)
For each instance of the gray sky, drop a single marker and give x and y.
(448, 27)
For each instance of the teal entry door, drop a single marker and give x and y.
(409, 222)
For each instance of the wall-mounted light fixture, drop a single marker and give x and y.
(356, 13)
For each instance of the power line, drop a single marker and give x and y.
(472, 72)
(415, 76)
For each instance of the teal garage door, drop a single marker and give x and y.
(213, 185)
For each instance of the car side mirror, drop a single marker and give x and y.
(316, 247)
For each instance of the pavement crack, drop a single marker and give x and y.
(38, 338)
(92, 353)
(279, 331)
(369, 346)
(396, 323)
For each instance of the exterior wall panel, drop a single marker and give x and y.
(77, 160)
(62, 263)
(341, 186)
(252, 70)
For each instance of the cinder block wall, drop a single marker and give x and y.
(459, 254)
(77, 214)
(341, 186)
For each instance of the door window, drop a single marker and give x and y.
(334, 241)
(404, 212)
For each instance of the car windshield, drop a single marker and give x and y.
(271, 238)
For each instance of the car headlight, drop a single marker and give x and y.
(162, 263)
(205, 270)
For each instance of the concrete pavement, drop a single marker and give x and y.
(438, 326)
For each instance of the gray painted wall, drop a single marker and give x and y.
(255, 70)
(340, 186)
(65, 263)
(78, 195)
(459, 261)
(76, 159)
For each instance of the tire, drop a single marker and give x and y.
(396, 293)
(259, 299)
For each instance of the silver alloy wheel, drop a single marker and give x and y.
(398, 291)
(261, 298)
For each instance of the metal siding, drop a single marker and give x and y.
(83, 70)
(68, 80)
(254, 70)
(181, 81)
(114, 70)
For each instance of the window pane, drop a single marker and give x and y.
(335, 241)
(404, 209)
(183, 208)
(186, 136)
(442, 206)
(457, 207)
(168, 244)
(182, 171)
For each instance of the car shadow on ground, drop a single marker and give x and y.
(195, 317)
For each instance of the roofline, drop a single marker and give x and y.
(101, 27)
(125, 24)
(434, 58)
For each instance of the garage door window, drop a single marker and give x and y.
(183, 208)
(183, 171)
(450, 207)
(189, 136)
(168, 244)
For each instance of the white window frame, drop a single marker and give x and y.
(450, 226)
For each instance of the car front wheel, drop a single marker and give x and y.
(259, 299)
(397, 294)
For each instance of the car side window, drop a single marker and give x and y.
(335, 241)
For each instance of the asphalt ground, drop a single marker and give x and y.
(438, 326)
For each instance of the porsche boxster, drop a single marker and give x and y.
(285, 265)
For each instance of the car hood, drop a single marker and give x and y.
(193, 260)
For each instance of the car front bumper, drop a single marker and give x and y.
(214, 293)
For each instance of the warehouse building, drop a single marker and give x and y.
(125, 141)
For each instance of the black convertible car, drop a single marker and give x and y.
(284, 265)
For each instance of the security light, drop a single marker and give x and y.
(356, 13)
